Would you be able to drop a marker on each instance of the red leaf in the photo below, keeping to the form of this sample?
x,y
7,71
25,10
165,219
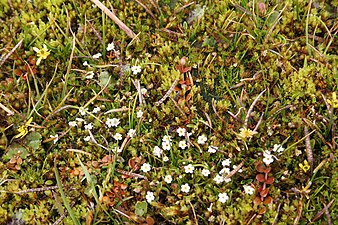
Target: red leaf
x,y
260,177
270,180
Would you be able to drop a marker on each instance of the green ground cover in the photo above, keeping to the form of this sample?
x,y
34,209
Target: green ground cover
x,y
168,112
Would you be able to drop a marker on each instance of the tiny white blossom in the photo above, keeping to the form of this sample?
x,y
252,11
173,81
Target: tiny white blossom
x,y
150,196
117,136
205,172
117,150
88,126
223,197
185,188
110,47
268,158
166,138
166,145
96,110
227,180
218,179
165,158
202,139
72,123
83,111
90,75
112,122
182,144
86,138
136,69
157,151
189,168
55,138
97,55
240,170
143,91
146,167
226,162
79,119
85,63
212,149
181,131
168,179
224,170
139,114
278,148
131,133
248,189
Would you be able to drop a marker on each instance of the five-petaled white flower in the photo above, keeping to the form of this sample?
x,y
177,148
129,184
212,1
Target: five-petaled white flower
x,y
165,158
96,109
90,75
212,149
136,69
166,145
131,133
168,179
146,167
72,123
112,122
223,197
110,47
225,170
157,151
181,131
166,138
248,189
117,136
143,91
97,55
83,111
226,162
189,168
185,188
278,148
202,139
205,172
88,126
139,114
150,196
87,138
268,158
218,179
182,144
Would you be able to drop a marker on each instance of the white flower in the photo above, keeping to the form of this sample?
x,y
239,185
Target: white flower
x,y
218,179
83,111
55,137
90,75
223,197
72,123
145,167
181,131
185,188
79,119
226,162
97,55
166,145
165,159
189,168
88,126
85,63
268,158
96,110
182,144
117,136
143,91
224,170
205,172
131,133
139,114
110,47
212,149
240,170
157,151
227,180
248,189
117,150
136,69
278,148
87,138
150,196
202,139
112,122
166,138
168,179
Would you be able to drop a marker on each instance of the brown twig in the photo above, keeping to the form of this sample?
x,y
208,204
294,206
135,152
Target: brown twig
x,y
167,94
309,152
2,60
251,108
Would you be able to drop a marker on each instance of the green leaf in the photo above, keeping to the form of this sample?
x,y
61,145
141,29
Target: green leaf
x,y
141,208
34,140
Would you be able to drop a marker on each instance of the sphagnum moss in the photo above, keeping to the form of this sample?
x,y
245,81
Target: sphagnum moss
x,y
176,160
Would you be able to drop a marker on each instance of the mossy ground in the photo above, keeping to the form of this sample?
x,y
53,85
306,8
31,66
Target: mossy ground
x,y
253,84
